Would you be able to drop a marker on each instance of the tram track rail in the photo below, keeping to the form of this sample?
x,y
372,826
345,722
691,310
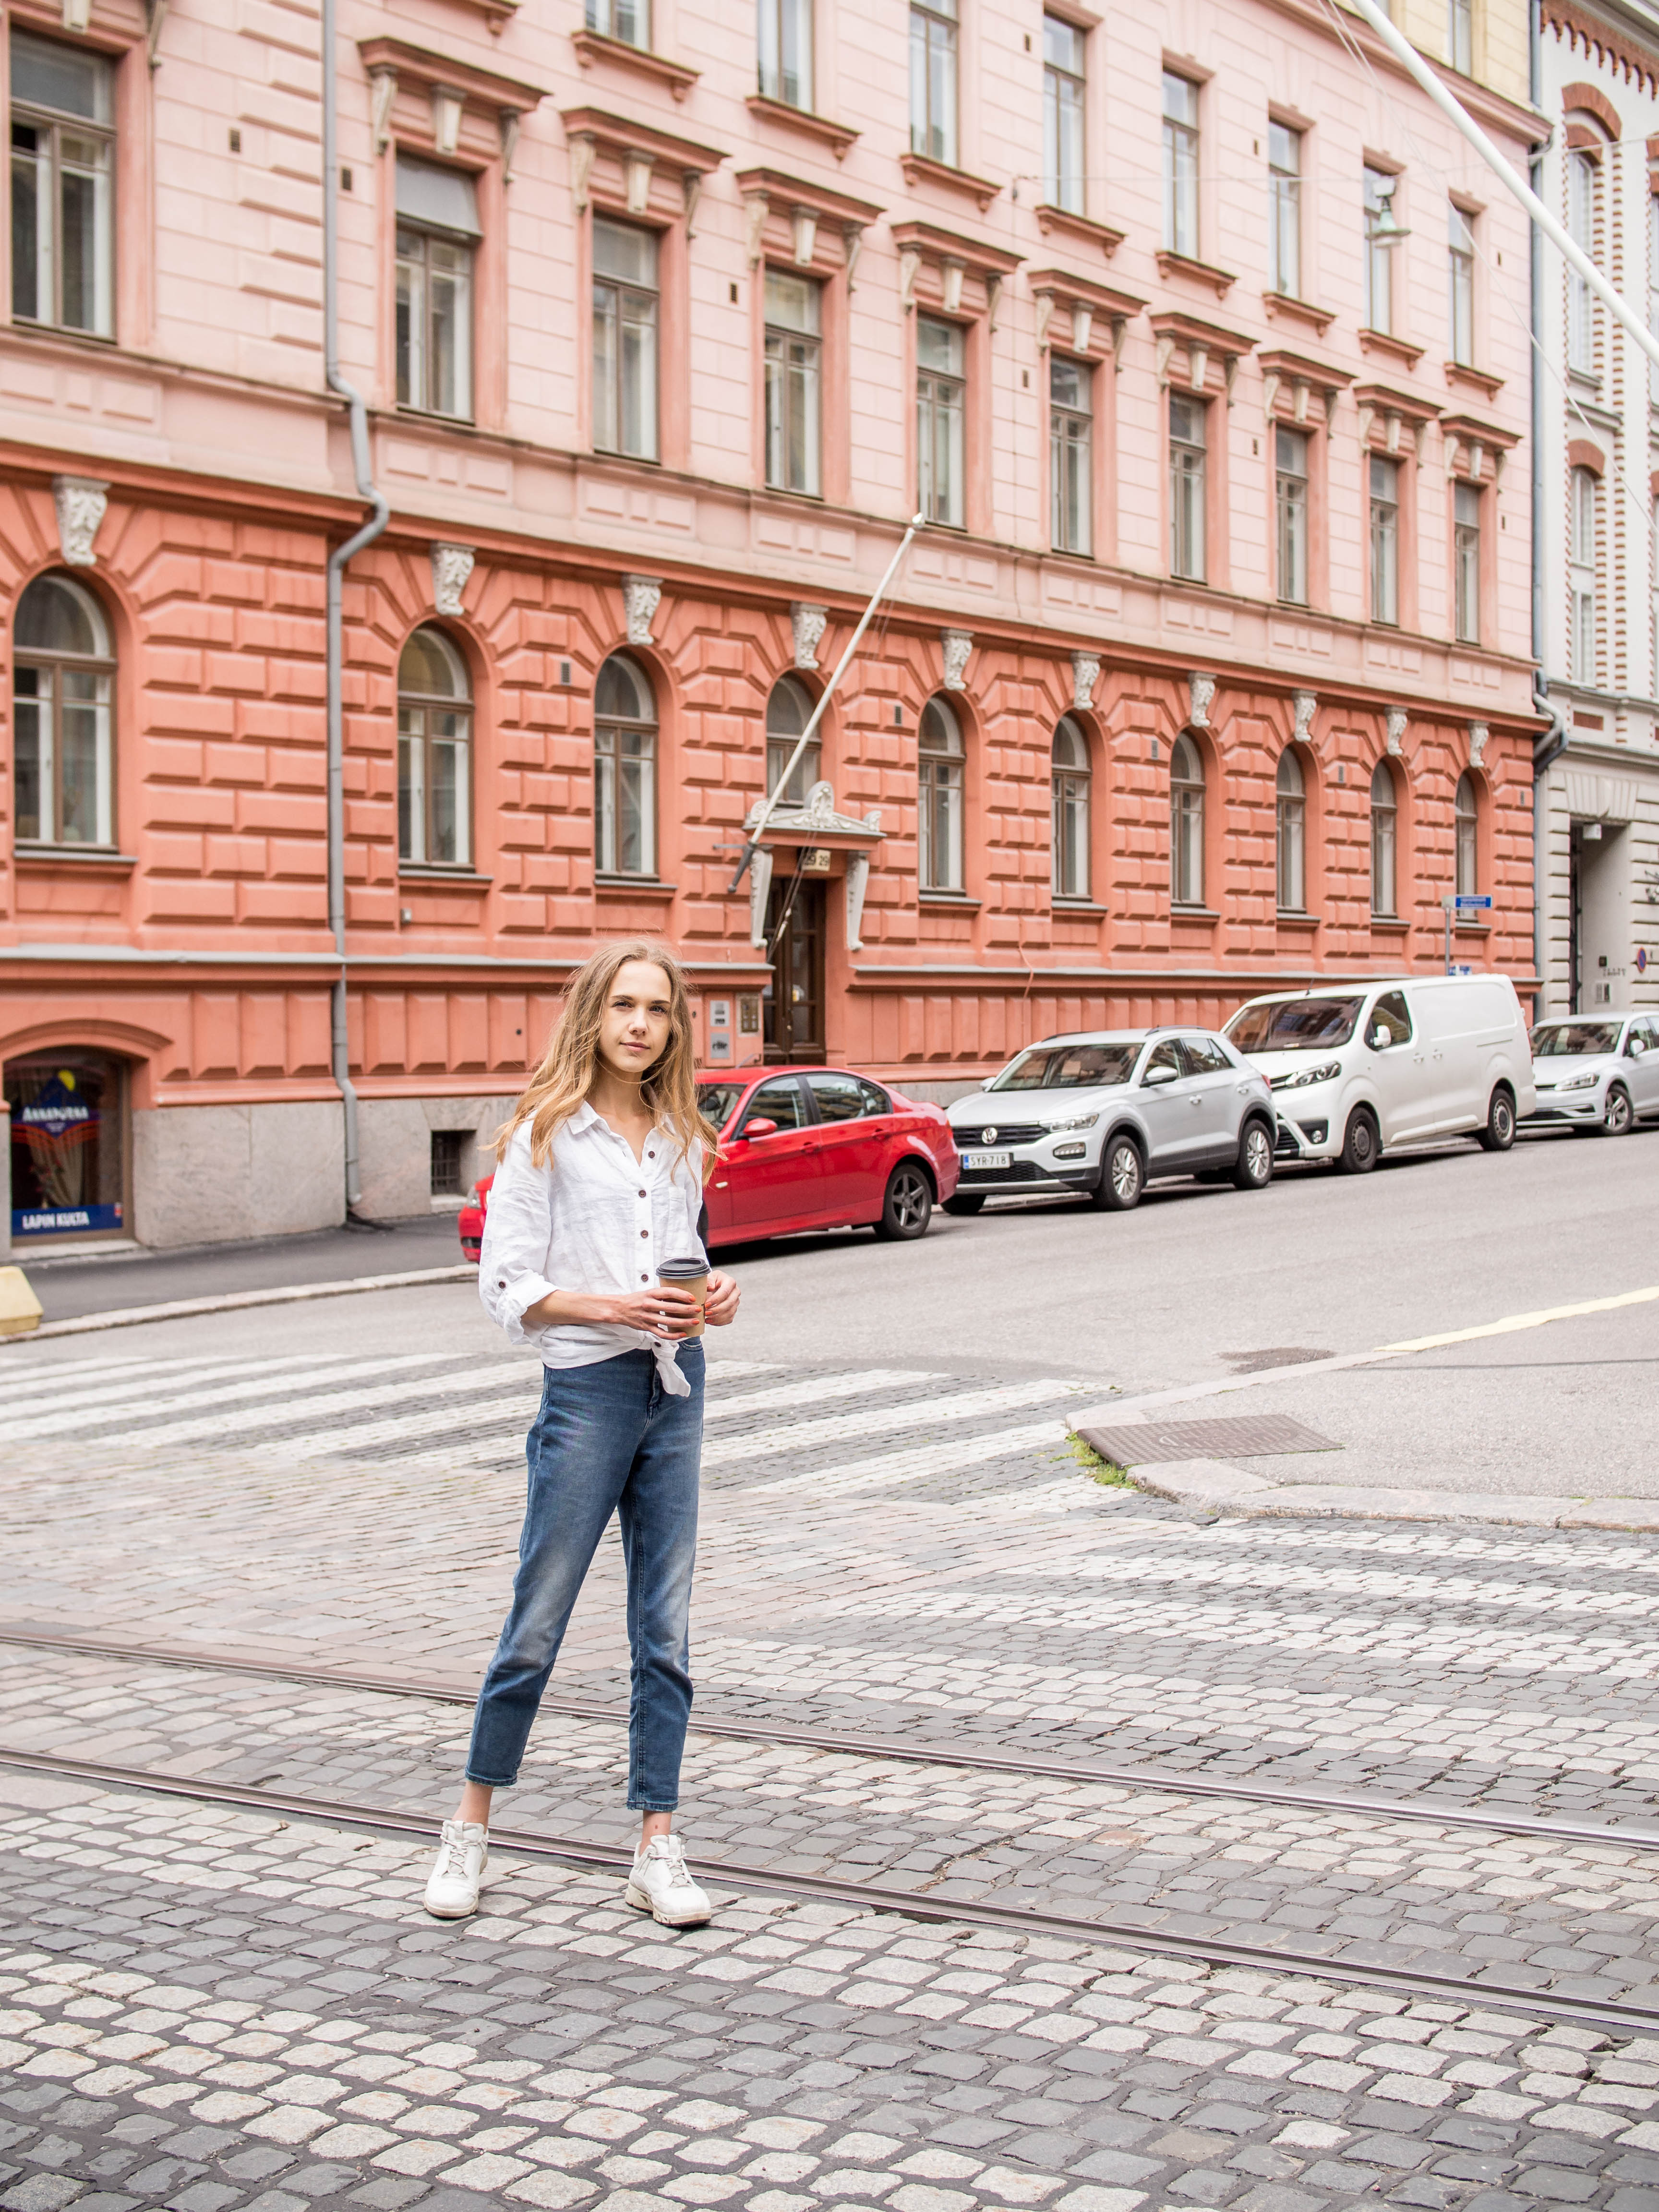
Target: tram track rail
x,y
592,1855
1433,1813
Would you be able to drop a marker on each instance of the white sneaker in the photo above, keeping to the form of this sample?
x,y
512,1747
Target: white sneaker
x,y
452,1889
661,1884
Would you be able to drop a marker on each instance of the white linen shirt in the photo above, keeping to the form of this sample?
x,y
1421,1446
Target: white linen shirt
x,y
594,1219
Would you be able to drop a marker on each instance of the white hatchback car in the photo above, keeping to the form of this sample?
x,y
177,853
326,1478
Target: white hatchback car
x,y
1597,1072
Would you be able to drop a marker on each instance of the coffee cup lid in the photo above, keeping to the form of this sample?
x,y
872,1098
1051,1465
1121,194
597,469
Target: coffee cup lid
x,y
681,1271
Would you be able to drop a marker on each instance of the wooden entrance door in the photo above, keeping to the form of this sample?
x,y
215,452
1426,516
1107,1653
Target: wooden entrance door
x,y
794,996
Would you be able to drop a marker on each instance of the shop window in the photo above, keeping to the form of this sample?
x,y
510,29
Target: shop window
x,y
625,323
788,711
1070,782
1466,824
68,1146
434,753
624,770
437,231
62,677
1385,840
1290,811
62,182
1185,822
941,757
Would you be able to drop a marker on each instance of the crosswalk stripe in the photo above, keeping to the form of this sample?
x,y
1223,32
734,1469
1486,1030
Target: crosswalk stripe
x,y
215,1427
19,1384
805,1393
125,1407
796,1436
914,1465
125,1393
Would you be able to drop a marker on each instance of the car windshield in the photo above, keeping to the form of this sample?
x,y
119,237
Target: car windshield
x,y
1574,1040
717,1100
1293,1025
1067,1067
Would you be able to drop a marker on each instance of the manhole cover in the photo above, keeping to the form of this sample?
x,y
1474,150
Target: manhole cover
x,y
1273,1355
1252,1436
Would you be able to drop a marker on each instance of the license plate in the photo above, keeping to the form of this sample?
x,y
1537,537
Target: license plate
x,y
987,1159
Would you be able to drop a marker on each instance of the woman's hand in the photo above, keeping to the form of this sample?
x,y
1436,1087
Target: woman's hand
x,y
721,1304
663,1310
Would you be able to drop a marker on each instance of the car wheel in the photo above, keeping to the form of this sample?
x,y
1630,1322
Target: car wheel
x,y
1255,1170
969,1203
1122,1177
1499,1133
908,1207
1359,1145
1616,1115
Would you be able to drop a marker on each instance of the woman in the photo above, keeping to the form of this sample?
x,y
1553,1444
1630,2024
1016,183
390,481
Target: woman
x,y
601,1183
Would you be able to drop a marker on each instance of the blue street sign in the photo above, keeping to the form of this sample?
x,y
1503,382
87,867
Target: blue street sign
x,y
1468,900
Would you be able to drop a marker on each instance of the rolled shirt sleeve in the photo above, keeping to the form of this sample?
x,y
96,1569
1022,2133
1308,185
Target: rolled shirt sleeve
x,y
517,1234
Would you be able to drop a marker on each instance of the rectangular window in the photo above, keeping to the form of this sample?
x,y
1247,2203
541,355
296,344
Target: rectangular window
x,y
624,800
1071,425
941,393
1062,114
1385,539
1187,486
437,225
1466,564
794,376
1584,516
1284,207
1580,227
933,79
1460,36
627,19
1382,237
1291,511
63,163
786,51
1180,165
1461,271
625,311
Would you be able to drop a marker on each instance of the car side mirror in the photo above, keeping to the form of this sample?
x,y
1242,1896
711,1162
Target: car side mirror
x,y
1636,1048
1156,1076
1380,1038
758,1127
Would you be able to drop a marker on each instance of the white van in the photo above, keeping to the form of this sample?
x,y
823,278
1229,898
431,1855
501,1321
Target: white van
x,y
1358,1068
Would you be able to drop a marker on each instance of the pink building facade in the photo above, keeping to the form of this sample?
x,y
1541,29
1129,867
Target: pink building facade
x,y
1196,337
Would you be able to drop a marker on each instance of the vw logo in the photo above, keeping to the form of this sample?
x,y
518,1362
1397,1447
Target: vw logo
x,y
991,1136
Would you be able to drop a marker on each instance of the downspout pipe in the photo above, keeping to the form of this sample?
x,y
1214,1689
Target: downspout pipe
x,y
335,642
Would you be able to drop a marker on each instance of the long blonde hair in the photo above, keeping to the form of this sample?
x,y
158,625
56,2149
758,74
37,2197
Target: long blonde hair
x,y
566,1075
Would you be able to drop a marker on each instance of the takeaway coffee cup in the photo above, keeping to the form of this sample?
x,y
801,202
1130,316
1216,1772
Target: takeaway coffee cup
x,y
687,1275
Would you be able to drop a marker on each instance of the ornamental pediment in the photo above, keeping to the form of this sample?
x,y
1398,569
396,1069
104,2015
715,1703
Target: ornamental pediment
x,y
816,817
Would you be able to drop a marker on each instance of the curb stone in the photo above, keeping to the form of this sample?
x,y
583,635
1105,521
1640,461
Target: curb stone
x,y
234,1300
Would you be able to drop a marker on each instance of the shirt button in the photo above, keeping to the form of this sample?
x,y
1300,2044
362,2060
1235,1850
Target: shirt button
x,y
645,1279
645,1233
641,1194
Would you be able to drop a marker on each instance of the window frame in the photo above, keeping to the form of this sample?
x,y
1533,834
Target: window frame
x,y
792,377
462,705
614,408
1188,487
608,788
1072,461
1385,515
1284,209
1065,120
779,17
1292,519
103,668
941,403
55,122
1460,36
1385,843
941,801
935,50
1071,785
1188,809
603,18
1582,186
1290,834
1183,141
1461,254
1584,574
1467,535
1466,837
780,743
428,235
1378,257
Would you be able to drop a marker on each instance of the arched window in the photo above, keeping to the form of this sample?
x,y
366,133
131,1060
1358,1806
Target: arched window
x,y
435,754
1291,809
1071,804
1385,826
1185,824
624,770
65,745
941,755
788,711
1466,824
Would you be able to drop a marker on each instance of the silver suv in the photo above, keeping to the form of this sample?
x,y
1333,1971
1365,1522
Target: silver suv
x,y
1108,1111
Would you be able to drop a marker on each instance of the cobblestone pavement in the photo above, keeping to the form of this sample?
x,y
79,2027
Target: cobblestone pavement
x,y
204,2008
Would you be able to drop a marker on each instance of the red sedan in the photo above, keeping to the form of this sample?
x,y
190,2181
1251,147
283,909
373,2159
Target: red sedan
x,y
808,1148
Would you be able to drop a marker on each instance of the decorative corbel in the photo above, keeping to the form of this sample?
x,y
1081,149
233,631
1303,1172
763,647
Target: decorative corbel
x,y
1200,690
582,149
449,107
1229,374
1419,432
1478,735
383,89
1391,432
852,242
510,119
451,566
808,624
993,302
1300,405
759,885
638,168
1085,674
1083,325
806,236
1119,331
80,502
1045,315
1396,737
690,192
1269,393
1367,416
858,878
78,15
952,272
957,645
1331,398
754,228
910,269
155,13
1304,703
1165,355
641,596
1198,366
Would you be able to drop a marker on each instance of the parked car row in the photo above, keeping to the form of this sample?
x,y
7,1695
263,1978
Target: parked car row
x,y
1340,1072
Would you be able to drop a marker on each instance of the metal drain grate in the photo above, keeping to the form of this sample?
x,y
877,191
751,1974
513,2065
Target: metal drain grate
x,y
1253,1436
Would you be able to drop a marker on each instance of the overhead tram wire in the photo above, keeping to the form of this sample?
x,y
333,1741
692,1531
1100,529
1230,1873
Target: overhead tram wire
x,y
1607,2014
907,1751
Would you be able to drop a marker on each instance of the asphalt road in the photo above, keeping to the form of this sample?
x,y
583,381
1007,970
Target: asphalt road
x,y
1201,1283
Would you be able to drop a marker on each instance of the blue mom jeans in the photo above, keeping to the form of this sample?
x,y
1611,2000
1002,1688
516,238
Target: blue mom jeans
x,y
608,1439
